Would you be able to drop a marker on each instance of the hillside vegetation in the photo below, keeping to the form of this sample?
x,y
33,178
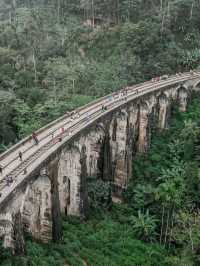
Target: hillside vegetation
x,y
56,55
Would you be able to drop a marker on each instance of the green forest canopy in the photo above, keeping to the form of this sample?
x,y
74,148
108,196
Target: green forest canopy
x,y
56,55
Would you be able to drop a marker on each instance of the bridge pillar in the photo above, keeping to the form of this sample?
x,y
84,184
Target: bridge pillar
x,y
133,132
182,99
19,246
72,175
6,230
83,183
119,149
55,201
36,209
163,111
95,141
143,128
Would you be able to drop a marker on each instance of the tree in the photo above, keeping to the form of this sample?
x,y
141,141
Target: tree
x,y
99,193
144,226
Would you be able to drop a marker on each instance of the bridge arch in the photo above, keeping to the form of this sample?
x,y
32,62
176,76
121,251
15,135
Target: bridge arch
x,y
197,85
183,94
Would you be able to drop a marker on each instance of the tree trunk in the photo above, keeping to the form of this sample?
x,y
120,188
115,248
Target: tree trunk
x,y
172,224
167,225
93,13
34,65
191,11
161,232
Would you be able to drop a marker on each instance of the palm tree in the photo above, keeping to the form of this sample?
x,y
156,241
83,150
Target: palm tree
x,y
170,193
144,226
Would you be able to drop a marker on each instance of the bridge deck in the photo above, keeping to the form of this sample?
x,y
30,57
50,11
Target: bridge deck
x,y
34,155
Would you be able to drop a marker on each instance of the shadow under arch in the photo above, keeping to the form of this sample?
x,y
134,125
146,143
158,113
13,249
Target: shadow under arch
x,y
162,97
183,92
197,85
183,87
143,105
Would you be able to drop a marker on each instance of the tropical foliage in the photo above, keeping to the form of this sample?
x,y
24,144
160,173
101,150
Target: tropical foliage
x,y
56,55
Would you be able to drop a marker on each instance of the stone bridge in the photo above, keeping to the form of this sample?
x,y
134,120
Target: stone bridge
x,y
51,178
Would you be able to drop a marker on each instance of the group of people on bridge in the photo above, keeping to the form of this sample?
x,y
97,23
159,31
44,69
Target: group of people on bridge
x,y
8,178
58,138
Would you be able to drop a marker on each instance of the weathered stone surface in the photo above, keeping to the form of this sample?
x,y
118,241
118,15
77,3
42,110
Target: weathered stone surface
x,y
105,158
83,184
77,162
19,243
93,142
6,230
69,174
37,216
118,143
163,111
182,99
55,201
143,126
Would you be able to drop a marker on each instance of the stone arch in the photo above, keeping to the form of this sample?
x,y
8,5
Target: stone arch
x,y
143,104
44,172
100,126
123,113
73,167
74,147
182,97
91,145
162,95
118,130
37,205
197,85
183,88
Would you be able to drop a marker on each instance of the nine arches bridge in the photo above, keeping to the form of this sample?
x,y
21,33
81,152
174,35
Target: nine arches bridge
x,y
99,141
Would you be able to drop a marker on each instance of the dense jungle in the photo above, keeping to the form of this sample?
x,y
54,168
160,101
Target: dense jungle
x,y
56,55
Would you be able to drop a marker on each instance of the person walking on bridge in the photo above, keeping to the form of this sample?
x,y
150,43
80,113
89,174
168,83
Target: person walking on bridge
x,y
62,131
1,169
25,171
34,136
9,180
20,156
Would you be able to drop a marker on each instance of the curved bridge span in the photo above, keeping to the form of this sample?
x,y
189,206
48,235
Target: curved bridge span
x,y
51,178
